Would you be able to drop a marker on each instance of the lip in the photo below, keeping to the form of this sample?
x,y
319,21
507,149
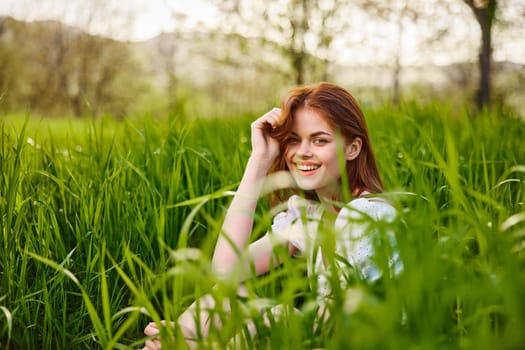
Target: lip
x,y
307,168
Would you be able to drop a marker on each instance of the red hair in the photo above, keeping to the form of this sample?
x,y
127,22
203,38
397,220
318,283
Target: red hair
x,y
342,111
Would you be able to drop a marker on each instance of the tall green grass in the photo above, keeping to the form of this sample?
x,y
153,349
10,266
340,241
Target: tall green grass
x,y
100,218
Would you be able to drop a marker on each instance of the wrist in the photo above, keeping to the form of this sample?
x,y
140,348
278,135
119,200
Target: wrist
x,y
260,161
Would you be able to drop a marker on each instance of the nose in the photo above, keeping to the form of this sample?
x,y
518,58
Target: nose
x,y
304,149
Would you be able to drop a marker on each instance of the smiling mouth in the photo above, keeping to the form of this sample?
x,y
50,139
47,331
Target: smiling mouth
x,y
310,167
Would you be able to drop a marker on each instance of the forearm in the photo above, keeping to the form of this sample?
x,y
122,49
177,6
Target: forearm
x,y
238,223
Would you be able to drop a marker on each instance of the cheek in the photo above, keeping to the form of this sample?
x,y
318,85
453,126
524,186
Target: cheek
x,y
330,158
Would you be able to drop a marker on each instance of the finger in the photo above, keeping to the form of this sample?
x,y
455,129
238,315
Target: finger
x,y
272,117
281,117
151,329
152,344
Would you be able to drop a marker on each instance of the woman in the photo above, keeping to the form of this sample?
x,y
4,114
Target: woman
x,y
319,130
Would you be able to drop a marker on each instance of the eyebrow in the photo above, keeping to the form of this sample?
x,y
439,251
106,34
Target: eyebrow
x,y
317,133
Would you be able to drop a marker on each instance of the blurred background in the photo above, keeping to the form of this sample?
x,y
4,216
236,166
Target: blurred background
x,y
84,58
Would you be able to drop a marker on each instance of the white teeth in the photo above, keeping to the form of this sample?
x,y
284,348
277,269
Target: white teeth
x,y
307,167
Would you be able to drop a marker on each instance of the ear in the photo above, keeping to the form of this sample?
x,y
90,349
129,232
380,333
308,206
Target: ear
x,y
353,149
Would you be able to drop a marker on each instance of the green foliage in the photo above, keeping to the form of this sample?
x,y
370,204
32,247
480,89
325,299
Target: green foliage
x,y
62,71
100,220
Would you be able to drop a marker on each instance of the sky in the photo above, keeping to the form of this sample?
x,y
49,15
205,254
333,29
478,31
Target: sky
x,y
136,20
143,19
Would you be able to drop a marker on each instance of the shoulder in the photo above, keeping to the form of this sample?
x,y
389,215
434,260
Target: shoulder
x,y
363,208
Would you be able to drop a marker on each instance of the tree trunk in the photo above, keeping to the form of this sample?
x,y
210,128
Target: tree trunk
x,y
484,11
396,82
297,49
298,64
396,72
485,58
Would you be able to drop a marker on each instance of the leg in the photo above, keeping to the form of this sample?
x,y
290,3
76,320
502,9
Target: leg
x,y
269,318
195,322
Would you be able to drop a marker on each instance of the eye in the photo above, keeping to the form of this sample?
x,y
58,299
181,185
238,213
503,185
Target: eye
x,y
292,140
319,141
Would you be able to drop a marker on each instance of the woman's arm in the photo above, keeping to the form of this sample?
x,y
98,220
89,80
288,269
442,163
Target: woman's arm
x,y
261,255
238,223
237,228
260,259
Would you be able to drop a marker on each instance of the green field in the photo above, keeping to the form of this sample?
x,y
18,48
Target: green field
x,y
97,216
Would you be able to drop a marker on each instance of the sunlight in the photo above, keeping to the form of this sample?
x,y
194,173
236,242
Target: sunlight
x,y
376,39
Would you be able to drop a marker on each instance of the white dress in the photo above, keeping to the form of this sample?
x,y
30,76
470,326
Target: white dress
x,y
354,230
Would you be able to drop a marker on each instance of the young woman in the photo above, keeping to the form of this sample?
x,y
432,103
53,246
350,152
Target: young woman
x,y
320,139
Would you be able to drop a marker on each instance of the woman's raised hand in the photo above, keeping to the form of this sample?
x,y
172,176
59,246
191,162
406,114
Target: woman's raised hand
x,y
263,145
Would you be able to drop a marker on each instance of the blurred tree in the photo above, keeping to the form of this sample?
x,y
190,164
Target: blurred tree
x,y
5,64
303,30
103,75
485,13
11,68
167,49
398,16
63,70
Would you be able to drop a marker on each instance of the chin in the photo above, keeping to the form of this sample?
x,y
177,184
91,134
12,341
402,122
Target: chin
x,y
306,185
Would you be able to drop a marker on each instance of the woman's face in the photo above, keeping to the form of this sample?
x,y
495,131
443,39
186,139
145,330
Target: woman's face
x,y
311,154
